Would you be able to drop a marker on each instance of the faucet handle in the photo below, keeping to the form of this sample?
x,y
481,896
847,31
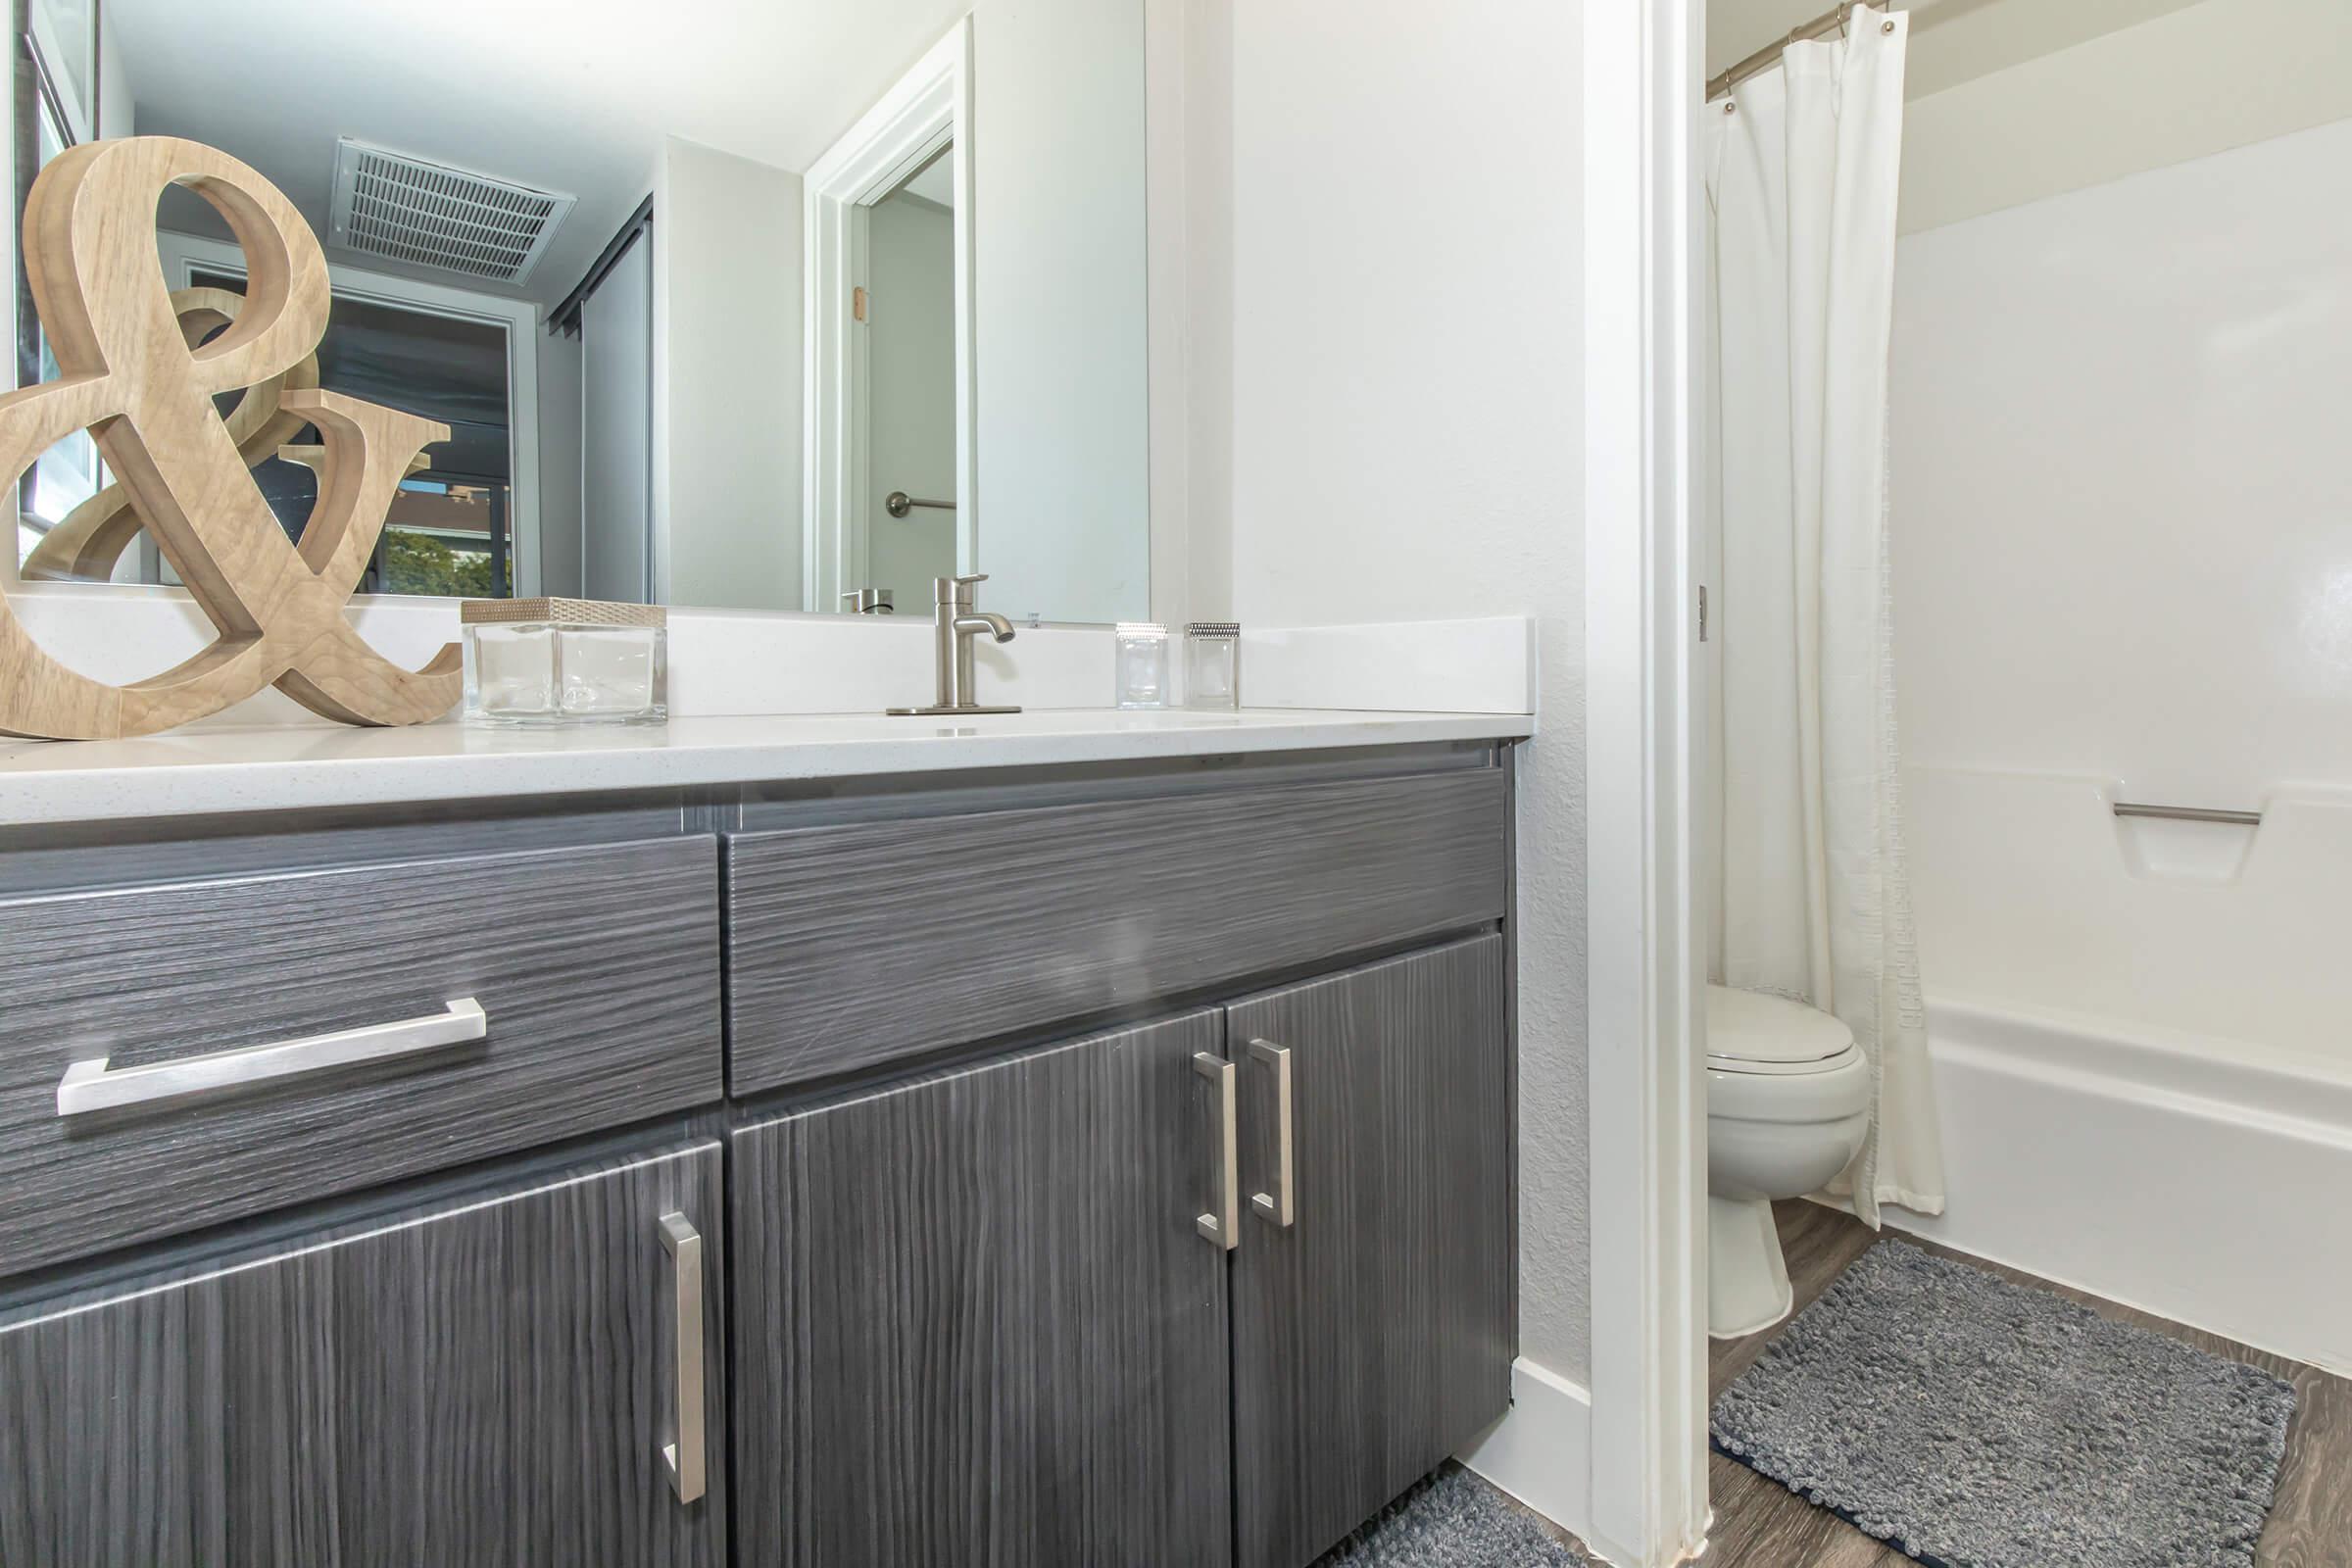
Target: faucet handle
x,y
955,590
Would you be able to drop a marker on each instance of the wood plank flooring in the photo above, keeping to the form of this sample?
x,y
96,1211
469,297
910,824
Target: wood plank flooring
x,y
1762,1524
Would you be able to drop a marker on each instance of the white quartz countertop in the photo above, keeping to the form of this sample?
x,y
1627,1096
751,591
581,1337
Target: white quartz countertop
x,y
203,771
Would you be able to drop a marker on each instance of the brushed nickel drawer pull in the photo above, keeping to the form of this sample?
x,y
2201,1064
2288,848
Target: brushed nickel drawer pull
x,y
684,1456
1280,1205
1223,1227
88,1085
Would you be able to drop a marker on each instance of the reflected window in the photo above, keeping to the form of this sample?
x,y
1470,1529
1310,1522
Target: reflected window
x,y
450,529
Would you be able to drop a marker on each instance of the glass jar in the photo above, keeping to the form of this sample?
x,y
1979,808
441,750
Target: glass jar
x,y
1212,664
1143,665
564,661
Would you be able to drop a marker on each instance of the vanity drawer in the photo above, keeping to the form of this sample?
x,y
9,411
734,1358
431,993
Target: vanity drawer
x,y
595,972
855,945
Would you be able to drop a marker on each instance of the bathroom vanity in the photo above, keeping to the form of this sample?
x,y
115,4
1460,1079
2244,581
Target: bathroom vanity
x,y
870,1145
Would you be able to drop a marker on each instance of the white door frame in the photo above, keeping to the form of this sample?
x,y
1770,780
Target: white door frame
x,y
1643,86
929,108
183,255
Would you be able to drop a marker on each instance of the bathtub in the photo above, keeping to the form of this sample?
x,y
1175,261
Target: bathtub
x,y
2142,1038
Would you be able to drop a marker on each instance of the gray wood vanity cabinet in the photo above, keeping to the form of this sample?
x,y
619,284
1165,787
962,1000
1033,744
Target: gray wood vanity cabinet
x,y
852,945
979,1320
596,967
975,1322
937,1271
478,1382
1371,1335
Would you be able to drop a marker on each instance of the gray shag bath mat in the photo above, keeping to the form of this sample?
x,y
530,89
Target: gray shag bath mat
x,y
1452,1520
1973,1423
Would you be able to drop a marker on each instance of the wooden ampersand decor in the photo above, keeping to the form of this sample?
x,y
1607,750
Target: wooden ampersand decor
x,y
91,539
133,379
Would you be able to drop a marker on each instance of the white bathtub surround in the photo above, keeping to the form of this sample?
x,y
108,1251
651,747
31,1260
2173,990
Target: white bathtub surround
x,y
2034,895
725,663
2123,527
285,766
1802,182
2138,1027
2138,1035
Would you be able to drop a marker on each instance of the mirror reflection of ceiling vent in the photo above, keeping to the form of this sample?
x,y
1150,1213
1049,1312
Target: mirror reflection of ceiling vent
x,y
406,209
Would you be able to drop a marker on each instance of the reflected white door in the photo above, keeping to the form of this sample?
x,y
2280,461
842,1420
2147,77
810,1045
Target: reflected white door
x,y
616,411
911,396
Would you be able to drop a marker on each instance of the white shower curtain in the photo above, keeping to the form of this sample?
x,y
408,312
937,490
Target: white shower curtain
x,y
1815,900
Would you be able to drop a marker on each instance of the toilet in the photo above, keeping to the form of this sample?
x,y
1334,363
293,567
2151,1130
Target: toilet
x,y
1787,1106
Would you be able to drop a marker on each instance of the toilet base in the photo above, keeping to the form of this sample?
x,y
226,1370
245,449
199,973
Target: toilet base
x,y
1747,1279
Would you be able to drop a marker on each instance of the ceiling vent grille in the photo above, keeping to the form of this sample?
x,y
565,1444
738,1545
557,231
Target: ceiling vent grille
x,y
429,215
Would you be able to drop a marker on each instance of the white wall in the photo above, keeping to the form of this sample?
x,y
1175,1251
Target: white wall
x,y
1058,299
1386,423
911,363
1973,37
727,331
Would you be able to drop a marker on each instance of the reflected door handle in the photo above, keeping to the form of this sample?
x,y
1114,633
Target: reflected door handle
x,y
899,503
1280,1204
1223,1226
91,1085
685,1456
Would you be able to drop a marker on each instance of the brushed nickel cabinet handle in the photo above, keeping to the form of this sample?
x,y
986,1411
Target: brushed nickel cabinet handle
x,y
1280,1204
684,1455
89,1085
1223,1228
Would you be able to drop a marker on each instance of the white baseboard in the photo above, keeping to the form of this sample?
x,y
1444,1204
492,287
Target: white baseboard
x,y
1540,1451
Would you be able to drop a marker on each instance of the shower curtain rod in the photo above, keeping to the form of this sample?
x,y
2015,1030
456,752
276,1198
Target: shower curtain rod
x,y
1832,20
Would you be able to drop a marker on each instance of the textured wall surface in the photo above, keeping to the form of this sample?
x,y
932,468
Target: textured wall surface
x,y
1386,424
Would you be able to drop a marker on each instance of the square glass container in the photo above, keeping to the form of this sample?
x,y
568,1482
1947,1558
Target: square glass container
x,y
1143,665
564,661
1212,664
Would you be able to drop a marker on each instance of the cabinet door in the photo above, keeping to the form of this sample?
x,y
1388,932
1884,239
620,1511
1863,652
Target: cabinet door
x,y
977,1322
486,1382
1372,1335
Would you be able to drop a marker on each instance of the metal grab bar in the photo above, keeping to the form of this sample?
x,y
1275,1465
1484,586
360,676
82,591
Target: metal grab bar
x,y
2188,813
899,503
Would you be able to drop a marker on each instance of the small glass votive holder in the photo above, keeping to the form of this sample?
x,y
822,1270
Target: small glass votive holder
x,y
1212,664
1143,665
549,662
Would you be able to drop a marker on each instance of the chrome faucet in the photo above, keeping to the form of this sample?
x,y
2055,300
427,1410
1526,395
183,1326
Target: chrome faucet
x,y
955,623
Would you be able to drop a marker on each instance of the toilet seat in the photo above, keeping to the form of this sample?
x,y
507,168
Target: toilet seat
x,y
1752,1032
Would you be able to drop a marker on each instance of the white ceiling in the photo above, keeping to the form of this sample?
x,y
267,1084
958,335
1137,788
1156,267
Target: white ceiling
x,y
1952,40
569,95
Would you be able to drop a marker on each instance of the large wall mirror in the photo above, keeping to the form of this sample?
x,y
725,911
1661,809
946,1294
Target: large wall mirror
x,y
736,305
